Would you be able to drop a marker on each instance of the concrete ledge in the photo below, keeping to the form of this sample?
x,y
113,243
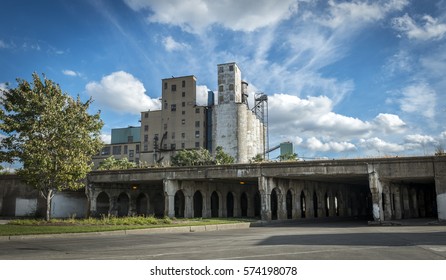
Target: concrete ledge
x,y
184,229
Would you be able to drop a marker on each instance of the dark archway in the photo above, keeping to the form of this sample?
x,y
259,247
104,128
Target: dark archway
x,y
179,203
327,205
214,204
303,205
102,204
123,205
230,205
244,204
257,204
198,205
158,205
142,204
315,205
274,205
289,204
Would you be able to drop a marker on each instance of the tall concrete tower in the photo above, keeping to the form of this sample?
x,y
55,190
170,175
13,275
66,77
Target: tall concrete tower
x,y
235,128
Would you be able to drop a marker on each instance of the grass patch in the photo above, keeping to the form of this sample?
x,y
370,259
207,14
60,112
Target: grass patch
x,y
105,223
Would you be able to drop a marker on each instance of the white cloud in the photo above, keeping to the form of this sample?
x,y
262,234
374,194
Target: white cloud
x,y
171,45
316,145
123,93
419,98
3,87
197,15
390,123
380,146
3,45
431,29
202,95
106,138
70,73
357,12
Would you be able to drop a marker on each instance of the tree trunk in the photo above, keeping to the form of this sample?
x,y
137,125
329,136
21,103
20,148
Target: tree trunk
x,y
49,197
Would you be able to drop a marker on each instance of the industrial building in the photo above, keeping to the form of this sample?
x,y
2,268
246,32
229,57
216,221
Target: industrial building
x,y
183,123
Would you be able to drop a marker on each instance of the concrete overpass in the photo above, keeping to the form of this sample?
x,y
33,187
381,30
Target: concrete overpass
x,y
379,189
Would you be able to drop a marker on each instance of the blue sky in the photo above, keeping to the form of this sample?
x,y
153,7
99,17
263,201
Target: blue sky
x,y
345,79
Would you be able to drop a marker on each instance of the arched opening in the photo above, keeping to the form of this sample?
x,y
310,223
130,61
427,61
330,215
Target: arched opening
x,y
198,205
158,205
179,203
336,202
303,205
102,204
327,205
244,204
257,204
274,205
315,205
142,204
123,205
214,204
289,205
230,205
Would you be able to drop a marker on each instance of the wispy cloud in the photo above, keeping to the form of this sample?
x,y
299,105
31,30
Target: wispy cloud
x,y
171,45
70,73
123,93
431,28
419,98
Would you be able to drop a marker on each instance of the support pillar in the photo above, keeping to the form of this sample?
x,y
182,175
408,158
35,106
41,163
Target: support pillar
x,y
189,205
440,187
386,203
376,190
170,187
265,197
397,201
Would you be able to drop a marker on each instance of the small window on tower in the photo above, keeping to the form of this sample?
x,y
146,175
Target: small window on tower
x,y
231,68
174,87
231,87
220,69
173,107
165,85
183,83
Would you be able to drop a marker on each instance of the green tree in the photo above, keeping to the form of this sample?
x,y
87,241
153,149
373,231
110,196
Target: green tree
x,y
258,158
192,158
51,134
288,157
111,163
223,158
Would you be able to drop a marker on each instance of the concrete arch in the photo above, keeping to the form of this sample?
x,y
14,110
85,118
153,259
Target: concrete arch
x,y
289,204
142,204
230,205
215,204
157,201
123,204
276,195
179,204
244,203
102,204
198,204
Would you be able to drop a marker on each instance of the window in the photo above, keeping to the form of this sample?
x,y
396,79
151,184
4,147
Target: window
x,y
165,105
173,107
146,147
183,83
183,121
183,113
146,128
165,85
146,115
173,135
231,67
172,146
197,144
183,104
231,87
197,124
131,153
220,88
197,134
183,135
173,87
125,149
146,138
197,110
137,149
116,150
165,126
183,94
183,145
129,139
220,69
105,151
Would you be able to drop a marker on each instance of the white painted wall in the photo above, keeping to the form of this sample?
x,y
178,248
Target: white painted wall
x,y
25,206
65,205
